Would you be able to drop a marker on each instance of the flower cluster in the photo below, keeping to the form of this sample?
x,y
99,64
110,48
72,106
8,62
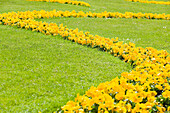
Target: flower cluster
x,y
151,2
145,89
105,14
73,2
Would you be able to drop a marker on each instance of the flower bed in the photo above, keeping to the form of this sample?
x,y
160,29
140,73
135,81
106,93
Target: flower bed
x,y
7,17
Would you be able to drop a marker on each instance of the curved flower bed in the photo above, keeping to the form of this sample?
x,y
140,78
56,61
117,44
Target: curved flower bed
x,y
150,2
145,89
73,2
50,14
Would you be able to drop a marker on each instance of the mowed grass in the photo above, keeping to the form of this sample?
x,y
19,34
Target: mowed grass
x,y
42,73
96,6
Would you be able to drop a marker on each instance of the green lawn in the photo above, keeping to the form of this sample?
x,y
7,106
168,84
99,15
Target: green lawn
x,y
42,73
96,6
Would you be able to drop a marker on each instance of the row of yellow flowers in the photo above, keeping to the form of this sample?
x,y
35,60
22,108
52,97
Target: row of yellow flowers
x,y
73,2
151,2
105,14
145,89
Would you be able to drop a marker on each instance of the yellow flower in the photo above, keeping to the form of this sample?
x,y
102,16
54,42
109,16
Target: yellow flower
x,y
159,87
166,94
106,111
119,96
168,108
